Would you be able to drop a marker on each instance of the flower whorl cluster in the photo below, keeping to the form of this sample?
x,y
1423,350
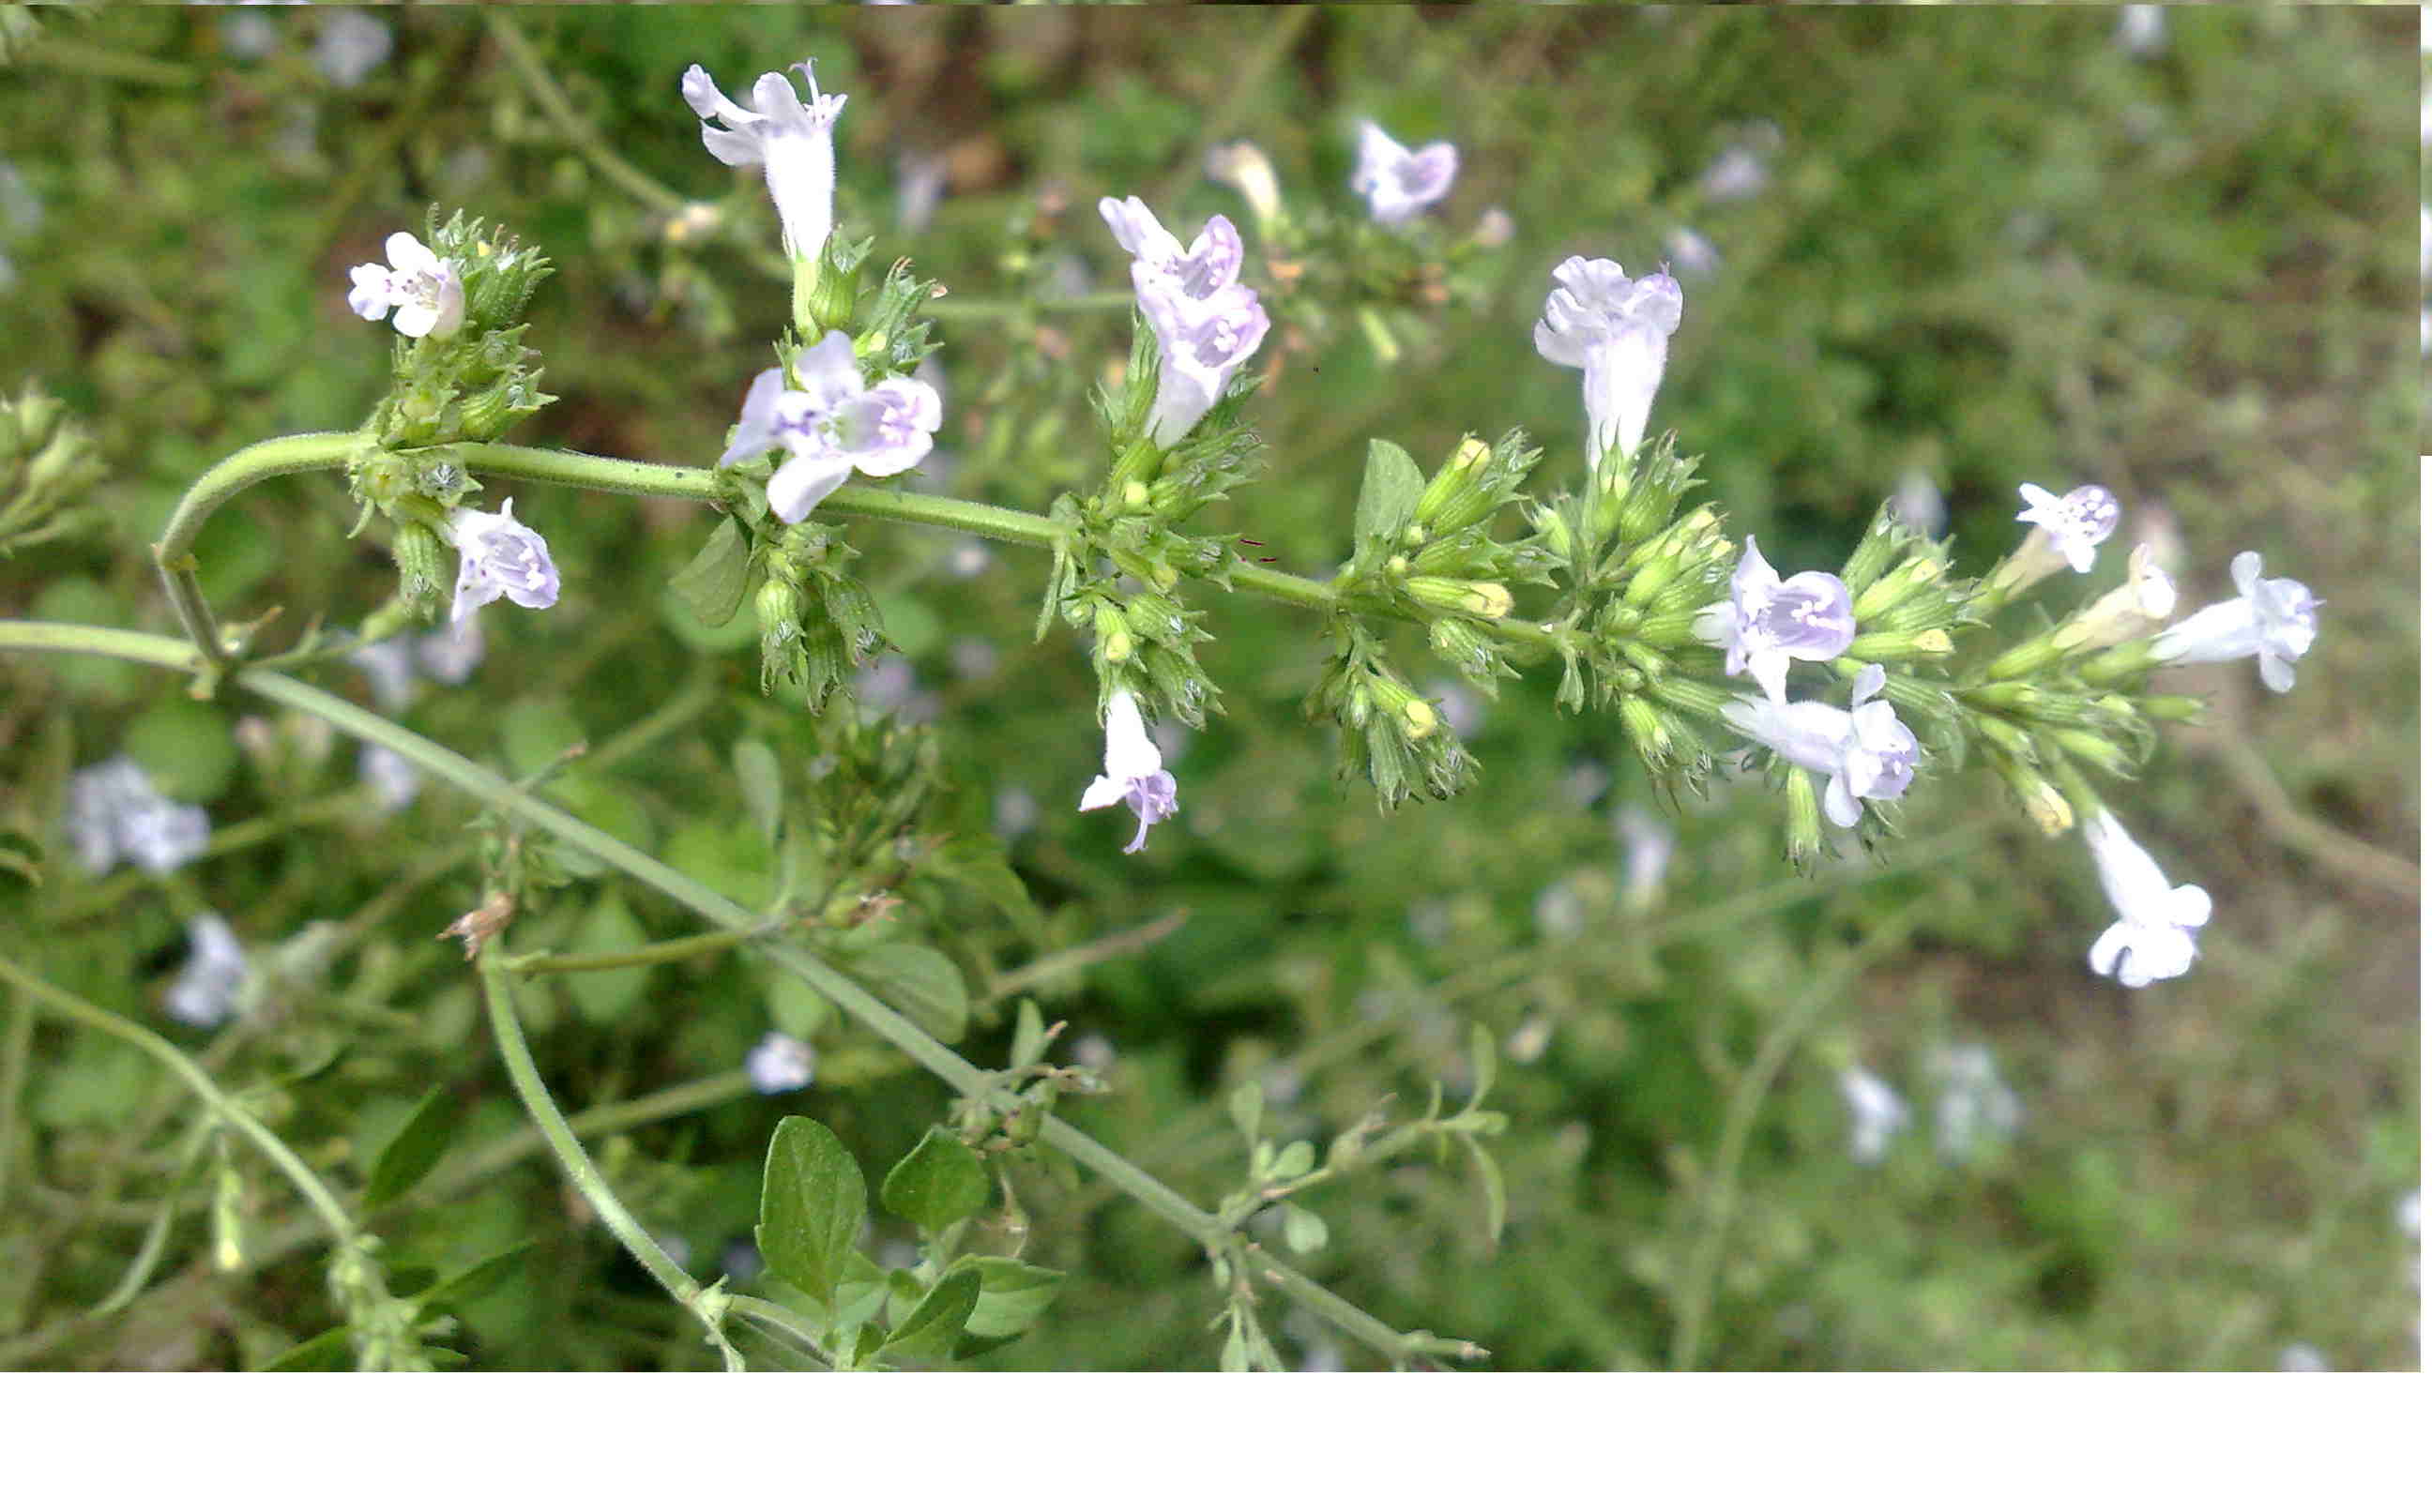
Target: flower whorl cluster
x,y
1207,322
833,424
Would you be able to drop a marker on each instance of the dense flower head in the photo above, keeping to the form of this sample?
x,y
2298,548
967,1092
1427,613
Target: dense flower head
x,y
2075,523
1399,182
2155,936
1135,771
115,813
1616,330
1768,619
791,143
780,1063
426,290
499,557
204,993
1865,750
2270,619
833,424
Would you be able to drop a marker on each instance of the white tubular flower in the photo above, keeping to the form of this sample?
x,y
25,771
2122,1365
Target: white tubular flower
x,y
833,424
1769,619
204,993
1397,182
792,143
2137,608
1201,344
1135,772
1865,750
2155,936
425,290
2073,525
1213,262
451,653
2270,619
499,557
1876,1113
780,1063
1616,330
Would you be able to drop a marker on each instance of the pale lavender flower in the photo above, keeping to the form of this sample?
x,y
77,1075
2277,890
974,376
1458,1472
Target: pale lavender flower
x,y
1768,619
1201,344
1616,330
351,45
396,779
1876,1114
833,424
1399,182
1135,771
780,1063
2073,524
2155,938
388,666
115,813
426,290
1013,812
450,653
2270,619
1865,750
1975,1104
204,993
499,557
1212,263
792,143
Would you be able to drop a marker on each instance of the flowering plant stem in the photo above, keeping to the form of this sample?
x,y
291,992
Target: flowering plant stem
x,y
77,1011
847,995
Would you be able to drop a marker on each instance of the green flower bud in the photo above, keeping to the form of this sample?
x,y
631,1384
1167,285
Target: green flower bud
x,y
424,574
1487,600
1804,829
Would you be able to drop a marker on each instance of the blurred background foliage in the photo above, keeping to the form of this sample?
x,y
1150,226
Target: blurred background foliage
x,y
1983,246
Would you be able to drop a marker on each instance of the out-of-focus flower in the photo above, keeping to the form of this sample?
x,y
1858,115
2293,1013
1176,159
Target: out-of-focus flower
x,y
1399,182
1692,254
920,184
1646,843
780,1063
2137,608
833,424
1917,504
396,779
115,813
1212,263
2073,524
499,557
1876,1114
2143,29
1617,330
2300,1357
351,45
2272,619
1738,171
388,666
450,653
2155,938
426,290
1768,619
1135,772
1975,1104
792,143
1241,166
204,993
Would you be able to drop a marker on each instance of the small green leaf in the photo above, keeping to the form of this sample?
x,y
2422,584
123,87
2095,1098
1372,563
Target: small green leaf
x,y
763,785
1303,1230
1298,1159
921,983
712,583
1029,1035
1012,1294
796,1006
938,1185
331,1351
1490,1178
931,1331
609,928
537,734
478,1279
1389,492
1482,1060
413,1150
812,1200
186,746
1247,1103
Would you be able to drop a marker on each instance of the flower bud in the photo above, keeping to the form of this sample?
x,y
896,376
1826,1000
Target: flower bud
x,y
1487,600
1419,718
1454,484
423,575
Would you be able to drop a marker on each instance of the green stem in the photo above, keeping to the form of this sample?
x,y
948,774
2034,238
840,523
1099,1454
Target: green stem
x,y
12,1084
76,1010
682,949
174,553
958,307
710,904
498,989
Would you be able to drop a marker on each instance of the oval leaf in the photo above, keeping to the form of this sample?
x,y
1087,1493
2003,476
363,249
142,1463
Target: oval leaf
x,y
931,1331
812,1200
